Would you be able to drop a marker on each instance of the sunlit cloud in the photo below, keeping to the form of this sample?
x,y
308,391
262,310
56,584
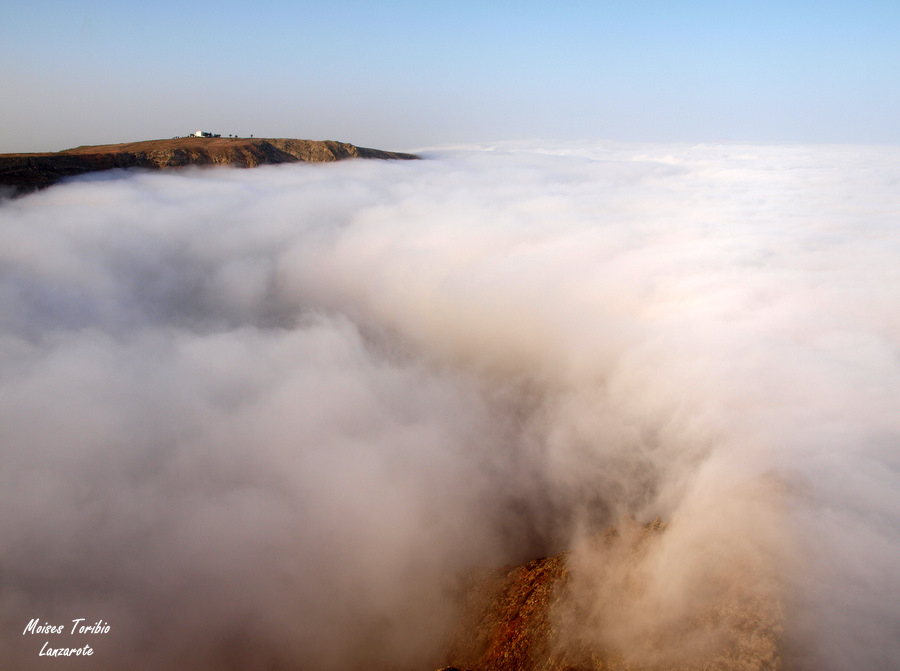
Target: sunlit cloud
x,y
271,416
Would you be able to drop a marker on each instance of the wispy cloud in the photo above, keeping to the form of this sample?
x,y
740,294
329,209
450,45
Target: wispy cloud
x,y
269,416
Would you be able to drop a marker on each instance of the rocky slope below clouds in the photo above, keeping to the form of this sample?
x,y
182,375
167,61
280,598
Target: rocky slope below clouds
x,y
23,173
581,611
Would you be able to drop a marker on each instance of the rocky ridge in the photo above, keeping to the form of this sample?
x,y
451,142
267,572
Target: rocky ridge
x,y
547,616
24,173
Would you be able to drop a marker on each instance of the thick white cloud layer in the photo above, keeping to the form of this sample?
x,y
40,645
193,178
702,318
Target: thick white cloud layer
x,y
271,416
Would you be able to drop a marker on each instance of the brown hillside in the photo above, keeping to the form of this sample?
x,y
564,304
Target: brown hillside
x,y
23,173
565,613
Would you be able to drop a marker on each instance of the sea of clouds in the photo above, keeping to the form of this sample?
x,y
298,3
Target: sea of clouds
x,y
269,418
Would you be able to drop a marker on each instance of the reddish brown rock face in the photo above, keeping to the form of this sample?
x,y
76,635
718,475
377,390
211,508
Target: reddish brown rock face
x,y
23,173
564,614
509,624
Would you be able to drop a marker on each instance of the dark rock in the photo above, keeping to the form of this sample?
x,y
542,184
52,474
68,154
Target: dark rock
x,y
24,173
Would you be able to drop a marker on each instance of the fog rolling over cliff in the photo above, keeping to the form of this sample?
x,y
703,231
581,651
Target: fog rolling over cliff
x,y
274,418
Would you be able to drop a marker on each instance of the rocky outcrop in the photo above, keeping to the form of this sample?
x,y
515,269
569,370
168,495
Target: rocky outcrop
x,y
509,625
23,173
565,613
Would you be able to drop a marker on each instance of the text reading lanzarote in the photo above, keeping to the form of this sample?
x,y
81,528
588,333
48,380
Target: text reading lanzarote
x,y
35,627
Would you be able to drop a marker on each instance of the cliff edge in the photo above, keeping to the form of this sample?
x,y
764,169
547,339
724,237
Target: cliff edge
x,y
24,173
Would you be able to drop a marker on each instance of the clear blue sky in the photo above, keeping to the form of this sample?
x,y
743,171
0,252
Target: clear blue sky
x,y
406,74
